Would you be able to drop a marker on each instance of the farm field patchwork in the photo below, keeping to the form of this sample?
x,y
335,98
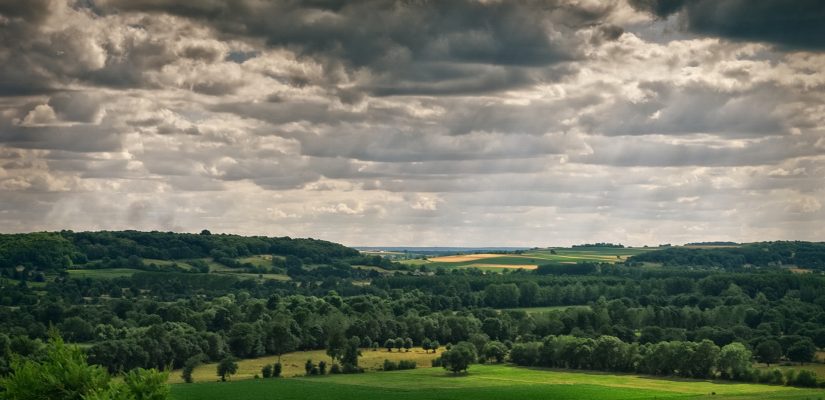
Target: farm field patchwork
x,y
530,259
485,382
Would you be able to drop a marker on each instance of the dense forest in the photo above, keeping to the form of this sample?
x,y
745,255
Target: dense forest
x,y
614,317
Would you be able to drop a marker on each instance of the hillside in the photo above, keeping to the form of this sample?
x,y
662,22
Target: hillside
x,y
807,255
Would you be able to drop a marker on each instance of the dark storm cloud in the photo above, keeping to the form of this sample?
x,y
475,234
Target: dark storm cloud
x,y
411,47
30,10
793,25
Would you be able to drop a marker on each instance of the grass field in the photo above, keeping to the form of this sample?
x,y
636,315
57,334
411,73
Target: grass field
x,y
102,273
293,363
485,382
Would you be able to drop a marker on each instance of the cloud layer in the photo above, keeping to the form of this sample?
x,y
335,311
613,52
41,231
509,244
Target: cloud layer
x,y
415,122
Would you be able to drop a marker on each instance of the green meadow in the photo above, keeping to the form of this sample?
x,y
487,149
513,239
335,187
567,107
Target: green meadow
x,y
485,382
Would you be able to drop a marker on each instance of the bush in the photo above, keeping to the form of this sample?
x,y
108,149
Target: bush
x,y
266,371
437,362
351,369
389,365
403,364
805,378
276,370
406,364
322,368
336,369
147,384
773,376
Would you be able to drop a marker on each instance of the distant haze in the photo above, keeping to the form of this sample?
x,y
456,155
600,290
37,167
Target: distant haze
x,y
405,123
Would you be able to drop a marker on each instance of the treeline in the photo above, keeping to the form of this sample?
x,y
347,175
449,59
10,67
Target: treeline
x,y
701,360
767,254
60,250
600,244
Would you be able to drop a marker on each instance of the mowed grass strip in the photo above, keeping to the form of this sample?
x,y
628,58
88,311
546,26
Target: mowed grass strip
x,y
293,363
109,273
482,383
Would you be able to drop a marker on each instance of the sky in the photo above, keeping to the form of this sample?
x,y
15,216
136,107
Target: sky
x,y
428,123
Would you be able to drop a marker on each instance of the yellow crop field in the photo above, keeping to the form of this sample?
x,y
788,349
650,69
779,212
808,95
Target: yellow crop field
x,y
293,363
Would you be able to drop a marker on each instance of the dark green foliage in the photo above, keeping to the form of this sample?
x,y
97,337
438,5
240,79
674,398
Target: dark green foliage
x,y
459,357
189,367
666,321
767,254
227,367
769,352
502,295
42,250
581,268
59,250
805,378
400,365
349,358
494,351
802,351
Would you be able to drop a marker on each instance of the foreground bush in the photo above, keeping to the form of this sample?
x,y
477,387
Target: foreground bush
x,y
64,374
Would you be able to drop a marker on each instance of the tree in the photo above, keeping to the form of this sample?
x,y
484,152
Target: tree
x,y
526,354
189,366
389,344
245,340
528,293
309,366
704,359
227,367
495,350
735,361
266,371
279,336
802,351
425,344
399,343
351,354
459,357
408,344
434,345
769,352
335,328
